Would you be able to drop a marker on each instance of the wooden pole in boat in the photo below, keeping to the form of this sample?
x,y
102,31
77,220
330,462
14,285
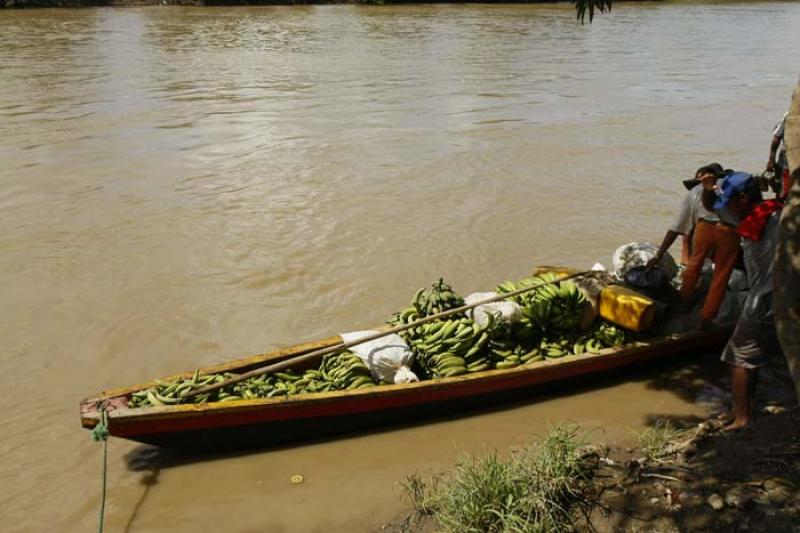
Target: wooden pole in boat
x,y
277,367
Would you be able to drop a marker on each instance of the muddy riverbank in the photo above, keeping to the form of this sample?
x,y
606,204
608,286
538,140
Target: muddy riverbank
x,y
676,478
707,480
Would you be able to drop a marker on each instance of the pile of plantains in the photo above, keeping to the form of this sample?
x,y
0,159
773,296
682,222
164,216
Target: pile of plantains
x,y
548,328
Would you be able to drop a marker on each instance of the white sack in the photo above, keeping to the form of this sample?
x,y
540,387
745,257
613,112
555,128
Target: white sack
x,y
388,358
508,310
638,254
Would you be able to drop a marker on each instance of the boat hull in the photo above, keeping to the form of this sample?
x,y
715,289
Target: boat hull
x,y
263,422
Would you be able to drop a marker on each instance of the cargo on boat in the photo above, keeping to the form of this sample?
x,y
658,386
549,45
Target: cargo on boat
x,y
450,354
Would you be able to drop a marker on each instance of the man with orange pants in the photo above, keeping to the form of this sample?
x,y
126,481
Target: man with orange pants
x,y
712,238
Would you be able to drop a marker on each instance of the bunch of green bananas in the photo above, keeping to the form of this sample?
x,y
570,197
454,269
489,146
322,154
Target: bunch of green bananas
x,y
173,392
345,371
437,298
610,335
586,344
567,304
406,316
448,348
551,307
506,353
535,312
524,298
604,335
553,348
338,371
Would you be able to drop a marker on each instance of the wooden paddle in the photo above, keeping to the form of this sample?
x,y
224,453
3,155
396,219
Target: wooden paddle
x,y
276,367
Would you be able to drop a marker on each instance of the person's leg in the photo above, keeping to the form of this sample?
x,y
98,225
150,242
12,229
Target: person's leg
x,y
686,249
745,352
726,251
702,247
742,380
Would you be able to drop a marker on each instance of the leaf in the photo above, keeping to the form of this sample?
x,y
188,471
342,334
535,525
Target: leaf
x,y
582,6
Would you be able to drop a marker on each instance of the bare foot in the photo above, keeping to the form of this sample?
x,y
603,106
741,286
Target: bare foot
x,y
736,424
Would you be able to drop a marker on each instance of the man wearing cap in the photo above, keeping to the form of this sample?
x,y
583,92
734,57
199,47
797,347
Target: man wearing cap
x,y
779,165
711,238
754,342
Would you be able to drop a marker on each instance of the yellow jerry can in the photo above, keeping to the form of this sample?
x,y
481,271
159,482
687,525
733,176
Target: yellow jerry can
x,y
627,308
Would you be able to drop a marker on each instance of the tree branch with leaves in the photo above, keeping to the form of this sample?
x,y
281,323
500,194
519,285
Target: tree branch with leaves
x,y
584,6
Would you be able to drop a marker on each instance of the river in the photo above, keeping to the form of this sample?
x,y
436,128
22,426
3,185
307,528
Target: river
x,y
181,186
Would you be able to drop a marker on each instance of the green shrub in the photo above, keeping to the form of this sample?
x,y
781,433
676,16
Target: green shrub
x,y
534,490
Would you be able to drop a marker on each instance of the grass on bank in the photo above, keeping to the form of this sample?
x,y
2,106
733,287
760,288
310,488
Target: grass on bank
x,y
654,441
538,489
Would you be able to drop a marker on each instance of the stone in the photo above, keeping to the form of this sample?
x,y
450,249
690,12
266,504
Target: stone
x,y
592,449
777,482
689,499
703,429
708,455
737,498
690,449
777,492
716,502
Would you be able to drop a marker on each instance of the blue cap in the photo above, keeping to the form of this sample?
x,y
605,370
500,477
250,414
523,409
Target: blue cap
x,y
736,183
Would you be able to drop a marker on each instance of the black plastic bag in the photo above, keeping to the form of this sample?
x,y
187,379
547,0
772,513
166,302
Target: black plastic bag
x,y
653,280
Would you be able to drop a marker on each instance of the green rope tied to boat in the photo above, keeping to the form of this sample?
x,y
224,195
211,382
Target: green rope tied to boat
x,y
100,433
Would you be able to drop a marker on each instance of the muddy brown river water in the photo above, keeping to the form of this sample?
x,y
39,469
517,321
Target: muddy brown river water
x,y
180,186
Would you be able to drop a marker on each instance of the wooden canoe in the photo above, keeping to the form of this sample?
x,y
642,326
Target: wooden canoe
x,y
265,421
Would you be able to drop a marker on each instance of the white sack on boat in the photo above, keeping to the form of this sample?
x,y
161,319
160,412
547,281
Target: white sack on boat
x,y
636,254
388,358
508,310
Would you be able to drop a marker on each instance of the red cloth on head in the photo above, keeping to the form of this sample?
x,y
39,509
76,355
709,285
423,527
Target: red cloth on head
x,y
752,226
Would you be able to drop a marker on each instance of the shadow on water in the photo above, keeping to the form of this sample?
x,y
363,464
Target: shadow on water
x,y
688,383
683,377
147,480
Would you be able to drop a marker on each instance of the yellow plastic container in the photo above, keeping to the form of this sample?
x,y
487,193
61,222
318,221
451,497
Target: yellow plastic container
x,y
627,308
557,270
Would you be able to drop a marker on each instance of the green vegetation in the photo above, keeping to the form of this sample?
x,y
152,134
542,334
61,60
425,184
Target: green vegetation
x,y
654,441
538,489
582,6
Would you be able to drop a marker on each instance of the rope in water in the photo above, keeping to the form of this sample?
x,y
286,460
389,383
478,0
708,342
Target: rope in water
x,y
100,433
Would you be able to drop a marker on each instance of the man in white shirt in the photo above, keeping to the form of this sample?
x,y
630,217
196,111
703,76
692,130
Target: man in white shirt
x,y
712,238
777,162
